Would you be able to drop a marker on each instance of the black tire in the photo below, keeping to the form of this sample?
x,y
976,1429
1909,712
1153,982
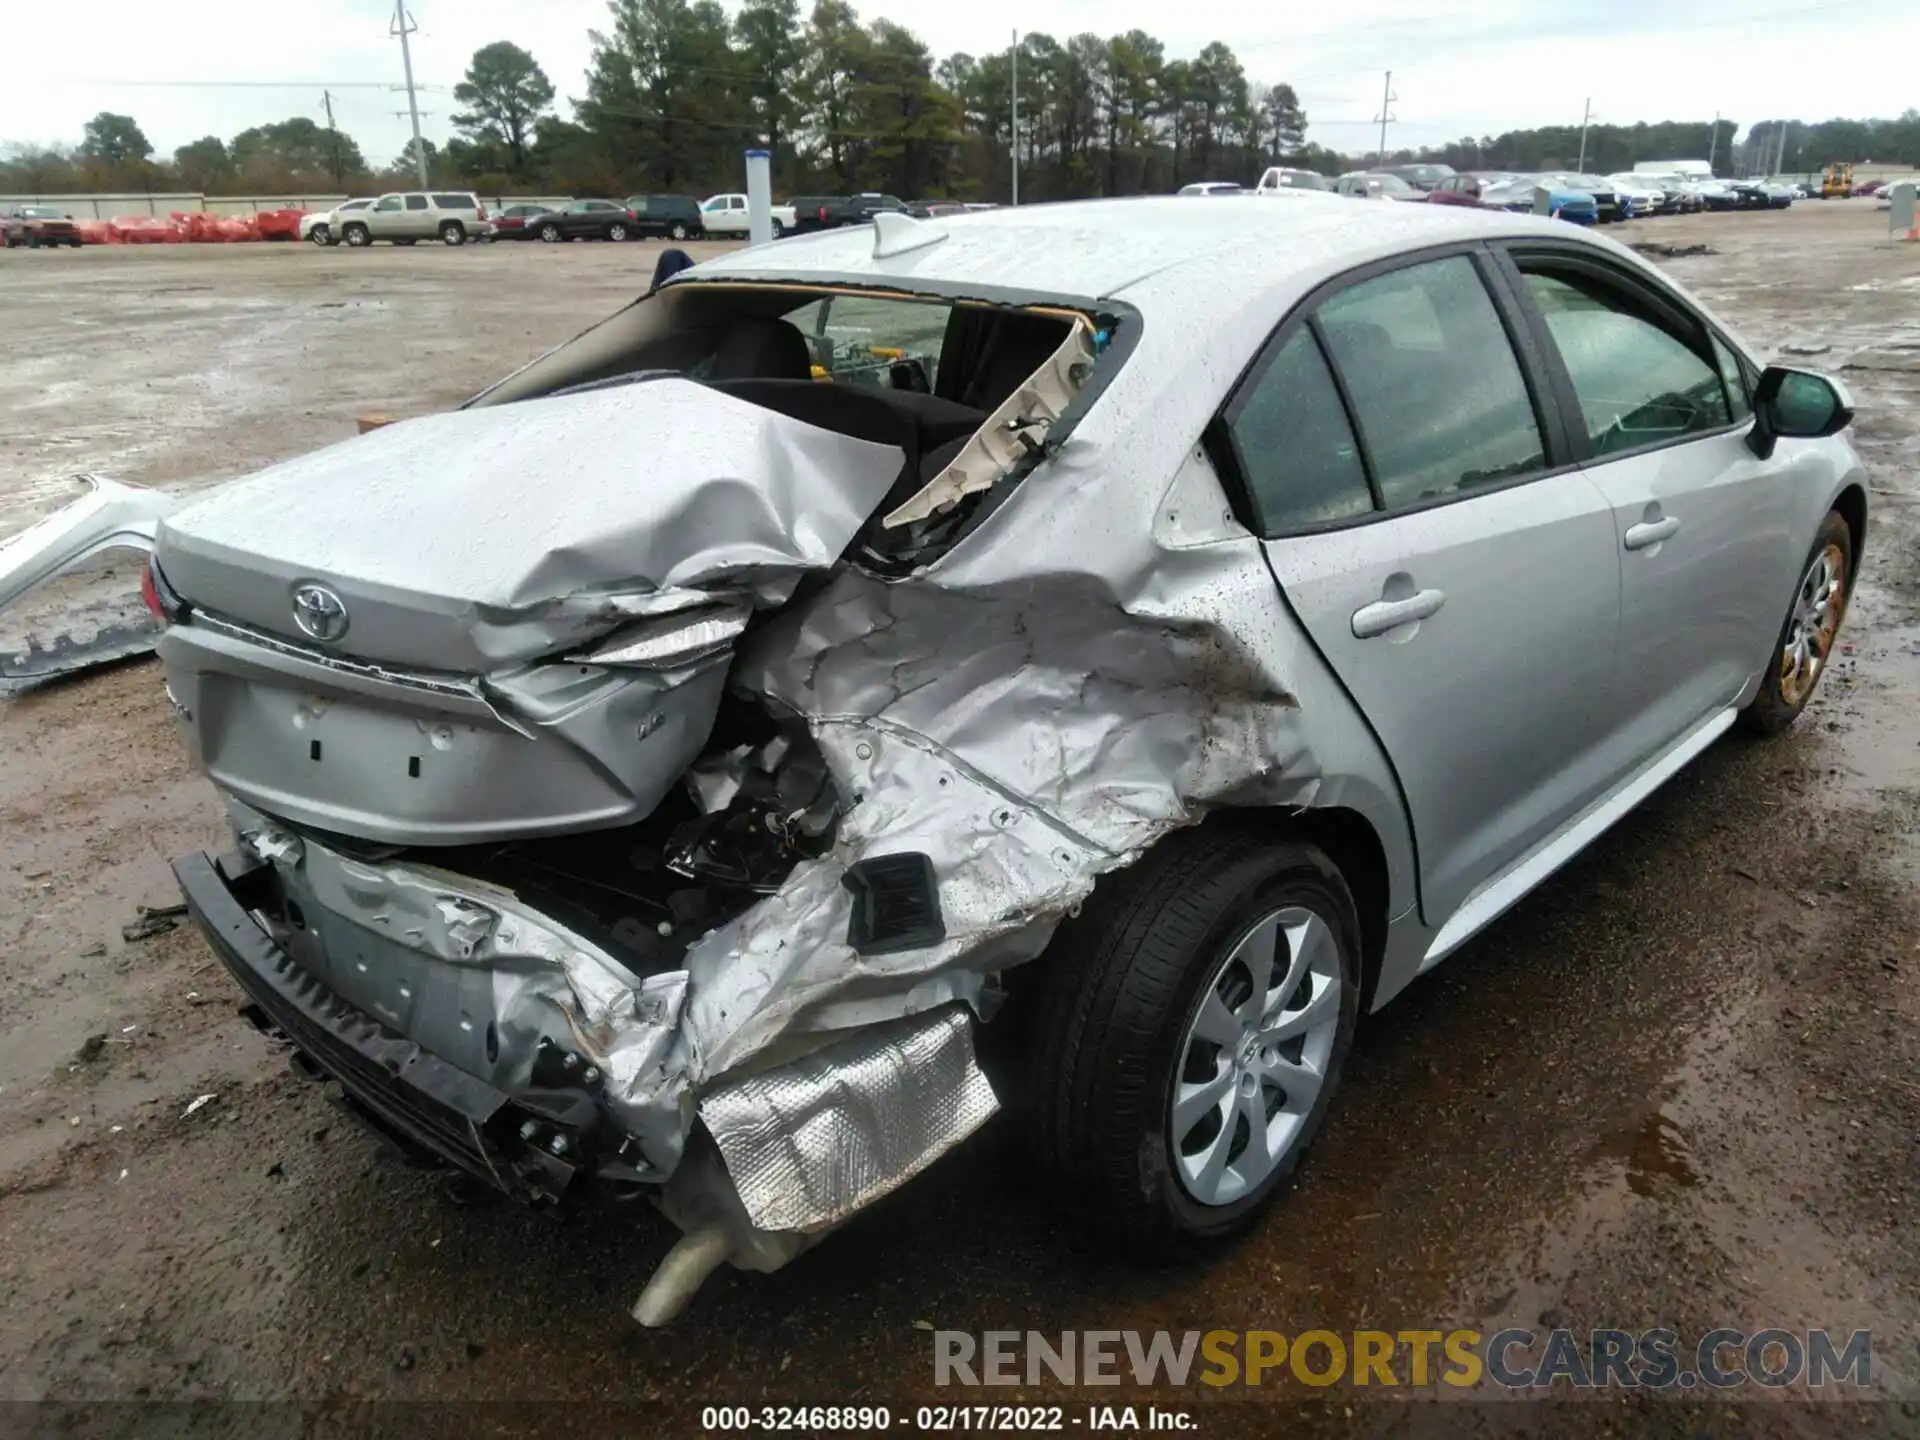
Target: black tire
x,y
1774,708
320,235
550,233
778,229
1119,987
453,233
356,235
76,242
677,231
616,232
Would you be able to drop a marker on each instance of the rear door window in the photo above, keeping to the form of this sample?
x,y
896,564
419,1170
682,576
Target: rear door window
x,y
1437,392
1293,445
1637,382
416,202
454,202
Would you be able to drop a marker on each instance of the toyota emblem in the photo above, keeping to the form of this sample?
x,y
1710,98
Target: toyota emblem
x,y
319,613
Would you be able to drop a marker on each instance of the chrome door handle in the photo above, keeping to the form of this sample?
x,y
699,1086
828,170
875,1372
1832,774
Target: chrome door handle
x,y
1384,615
1652,532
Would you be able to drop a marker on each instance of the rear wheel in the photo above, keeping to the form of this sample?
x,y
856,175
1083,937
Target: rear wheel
x,y
1811,630
319,235
677,231
453,233
778,229
1191,1026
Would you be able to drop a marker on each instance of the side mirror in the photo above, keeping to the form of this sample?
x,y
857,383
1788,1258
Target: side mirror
x,y
1797,405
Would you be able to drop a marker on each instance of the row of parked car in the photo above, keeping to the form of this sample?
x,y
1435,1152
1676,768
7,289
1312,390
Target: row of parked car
x,y
455,217
1579,197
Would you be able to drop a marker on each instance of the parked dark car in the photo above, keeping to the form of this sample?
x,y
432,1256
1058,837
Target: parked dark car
x,y
830,212
511,223
934,209
674,216
37,225
1457,190
584,220
1422,177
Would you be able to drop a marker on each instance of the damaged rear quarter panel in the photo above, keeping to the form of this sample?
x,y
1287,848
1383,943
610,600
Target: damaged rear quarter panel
x,y
1105,658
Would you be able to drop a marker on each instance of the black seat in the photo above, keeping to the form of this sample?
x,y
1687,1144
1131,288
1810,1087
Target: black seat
x,y
986,354
854,410
762,349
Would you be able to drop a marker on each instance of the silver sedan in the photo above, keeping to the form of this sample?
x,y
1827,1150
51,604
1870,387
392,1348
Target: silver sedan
x,y
1144,636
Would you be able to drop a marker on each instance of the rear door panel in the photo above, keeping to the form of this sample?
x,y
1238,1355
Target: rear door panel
x,y
1489,709
1467,595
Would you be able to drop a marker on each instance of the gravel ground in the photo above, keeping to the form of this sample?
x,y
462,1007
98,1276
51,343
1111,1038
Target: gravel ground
x,y
1679,1085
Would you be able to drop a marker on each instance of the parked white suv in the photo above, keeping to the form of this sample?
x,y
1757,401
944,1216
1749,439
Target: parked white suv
x,y
452,216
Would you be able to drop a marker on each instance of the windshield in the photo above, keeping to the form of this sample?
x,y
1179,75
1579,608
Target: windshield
x,y
39,212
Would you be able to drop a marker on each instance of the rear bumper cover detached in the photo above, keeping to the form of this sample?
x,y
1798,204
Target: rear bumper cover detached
x,y
790,1152
428,1108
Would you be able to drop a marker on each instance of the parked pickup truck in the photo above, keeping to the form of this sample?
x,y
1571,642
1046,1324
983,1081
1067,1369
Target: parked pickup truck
x,y
830,212
37,225
727,215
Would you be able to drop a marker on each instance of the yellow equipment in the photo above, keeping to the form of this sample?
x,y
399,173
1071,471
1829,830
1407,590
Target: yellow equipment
x,y
1837,182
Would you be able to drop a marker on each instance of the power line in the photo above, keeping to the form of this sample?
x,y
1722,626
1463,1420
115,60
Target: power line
x,y
250,84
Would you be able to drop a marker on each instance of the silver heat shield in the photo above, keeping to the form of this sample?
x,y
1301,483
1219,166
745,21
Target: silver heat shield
x,y
812,1142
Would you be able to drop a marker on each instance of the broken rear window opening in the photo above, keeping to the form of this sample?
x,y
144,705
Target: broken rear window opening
x,y
973,394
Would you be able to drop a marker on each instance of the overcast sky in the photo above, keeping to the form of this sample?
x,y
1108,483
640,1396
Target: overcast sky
x,y
1459,67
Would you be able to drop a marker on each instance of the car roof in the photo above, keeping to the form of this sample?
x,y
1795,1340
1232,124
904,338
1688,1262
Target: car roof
x,y
1097,249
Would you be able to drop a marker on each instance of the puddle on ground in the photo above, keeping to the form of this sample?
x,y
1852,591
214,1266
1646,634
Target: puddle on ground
x,y
1654,1152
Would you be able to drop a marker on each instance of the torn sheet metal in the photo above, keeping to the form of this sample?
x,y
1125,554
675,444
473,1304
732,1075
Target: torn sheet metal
x,y
475,975
1031,713
550,521
809,1143
90,629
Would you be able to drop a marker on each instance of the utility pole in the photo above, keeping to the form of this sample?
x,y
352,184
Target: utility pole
x,y
1387,97
1013,125
333,138
1713,141
1586,118
403,26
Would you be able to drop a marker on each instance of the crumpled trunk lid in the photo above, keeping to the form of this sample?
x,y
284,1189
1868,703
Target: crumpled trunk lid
x,y
468,560
485,537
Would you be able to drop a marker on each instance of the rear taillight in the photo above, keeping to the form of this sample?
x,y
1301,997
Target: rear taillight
x,y
167,607
823,213
481,213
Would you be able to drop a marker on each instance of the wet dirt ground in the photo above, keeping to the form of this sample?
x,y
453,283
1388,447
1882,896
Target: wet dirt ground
x,y
1678,1086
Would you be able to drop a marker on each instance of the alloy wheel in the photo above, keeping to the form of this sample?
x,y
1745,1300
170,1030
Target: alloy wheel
x,y
1255,1055
1817,608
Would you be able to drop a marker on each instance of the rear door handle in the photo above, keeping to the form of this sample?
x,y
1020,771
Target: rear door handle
x,y
1652,532
1384,615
